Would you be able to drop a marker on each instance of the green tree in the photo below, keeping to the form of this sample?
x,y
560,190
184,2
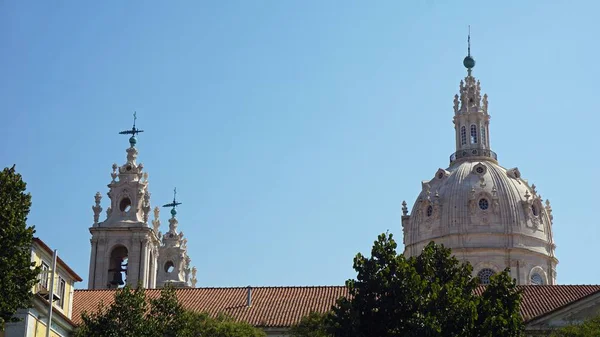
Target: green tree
x,y
498,308
134,315
430,295
125,317
312,325
166,314
17,273
589,328
202,324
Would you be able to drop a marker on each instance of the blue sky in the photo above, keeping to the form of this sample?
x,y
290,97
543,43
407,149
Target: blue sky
x,y
293,130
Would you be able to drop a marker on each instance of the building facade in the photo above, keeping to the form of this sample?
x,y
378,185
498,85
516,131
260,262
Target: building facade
x,y
34,320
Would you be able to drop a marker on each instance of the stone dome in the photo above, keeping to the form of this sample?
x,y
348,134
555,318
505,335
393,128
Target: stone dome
x,y
488,215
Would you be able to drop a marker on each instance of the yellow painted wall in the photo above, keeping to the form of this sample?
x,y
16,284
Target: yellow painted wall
x,y
37,256
39,329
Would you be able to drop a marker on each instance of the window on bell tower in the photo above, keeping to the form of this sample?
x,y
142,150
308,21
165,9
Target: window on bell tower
x,y
483,139
473,134
463,135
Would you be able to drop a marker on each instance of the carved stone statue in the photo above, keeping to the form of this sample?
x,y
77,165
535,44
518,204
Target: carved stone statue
x,y
187,274
485,103
146,206
455,103
194,280
156,221
472,207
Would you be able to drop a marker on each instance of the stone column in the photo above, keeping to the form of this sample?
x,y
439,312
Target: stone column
x,y
102,256
143,262
154,271
93,260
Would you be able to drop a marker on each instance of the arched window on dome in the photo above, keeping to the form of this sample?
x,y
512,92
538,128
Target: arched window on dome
x,y
483,138
535,210
429,210
536,279
484,275
473,134
463,135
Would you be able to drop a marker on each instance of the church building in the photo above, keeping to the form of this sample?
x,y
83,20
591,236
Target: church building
x,y
125,249
487,214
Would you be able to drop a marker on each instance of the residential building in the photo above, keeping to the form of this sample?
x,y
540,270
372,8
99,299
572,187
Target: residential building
x,y
34,320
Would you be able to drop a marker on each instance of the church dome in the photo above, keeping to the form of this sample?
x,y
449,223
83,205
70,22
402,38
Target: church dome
x,y
488,215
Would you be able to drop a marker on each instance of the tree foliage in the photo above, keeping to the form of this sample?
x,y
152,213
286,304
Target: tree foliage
x,y
432,295
312,325
498,308
589,328
134,315
201,324
17,273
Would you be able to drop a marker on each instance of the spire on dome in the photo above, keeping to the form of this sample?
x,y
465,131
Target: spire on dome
x,y
134,131
469,61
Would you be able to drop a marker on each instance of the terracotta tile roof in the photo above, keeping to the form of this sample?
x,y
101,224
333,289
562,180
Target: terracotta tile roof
x,y
542,300
271,306
284,306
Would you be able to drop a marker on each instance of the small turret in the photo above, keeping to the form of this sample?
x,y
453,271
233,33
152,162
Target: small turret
x,y
173,261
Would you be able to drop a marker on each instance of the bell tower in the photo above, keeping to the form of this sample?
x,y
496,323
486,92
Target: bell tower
x,y
173,261
124,248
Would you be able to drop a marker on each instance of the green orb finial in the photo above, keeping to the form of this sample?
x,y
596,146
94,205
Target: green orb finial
x,y
173,211
469,62
132,141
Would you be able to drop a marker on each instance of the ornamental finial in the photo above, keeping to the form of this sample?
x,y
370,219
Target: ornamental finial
x,y
97,208
134,131
469,61
404,208
174,204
